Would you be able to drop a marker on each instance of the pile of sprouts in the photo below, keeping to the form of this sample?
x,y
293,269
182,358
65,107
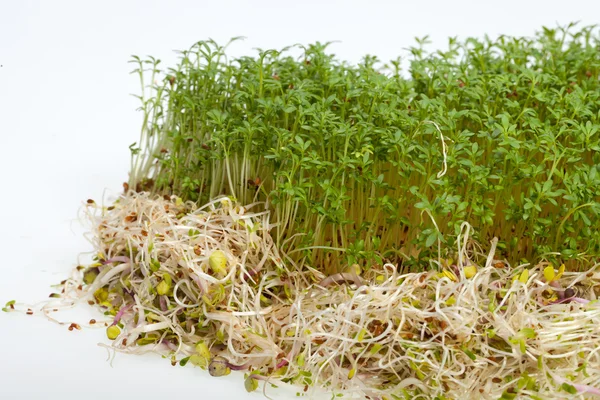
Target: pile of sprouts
x,y
207,286
347,229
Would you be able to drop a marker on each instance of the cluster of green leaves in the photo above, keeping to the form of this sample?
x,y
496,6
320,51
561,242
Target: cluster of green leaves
x,y
349,156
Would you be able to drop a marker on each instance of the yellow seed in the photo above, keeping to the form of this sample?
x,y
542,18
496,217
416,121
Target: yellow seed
x,y
106,304
101,295
113,332
354,268
361,335
470,271
450,275
561,271
375,349
218,262
163,288
352,373
451,301
549,274
524,276
90,276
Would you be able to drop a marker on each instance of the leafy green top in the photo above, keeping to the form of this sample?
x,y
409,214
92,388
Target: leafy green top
x,y
500,133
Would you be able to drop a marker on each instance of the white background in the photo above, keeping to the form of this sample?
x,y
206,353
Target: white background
x,y
67,118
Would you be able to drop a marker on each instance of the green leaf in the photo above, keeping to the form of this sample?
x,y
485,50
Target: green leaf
x,y
470,354
568,388
529,333
251,384
184,361
431,239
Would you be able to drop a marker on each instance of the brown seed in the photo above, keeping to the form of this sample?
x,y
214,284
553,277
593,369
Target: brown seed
x,y
90,302
318,340
92,321
111,208
29,311
144,233
124,342
125,187
496,380
74,326
90,201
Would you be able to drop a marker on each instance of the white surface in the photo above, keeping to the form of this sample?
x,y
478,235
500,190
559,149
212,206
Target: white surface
x,y
66,120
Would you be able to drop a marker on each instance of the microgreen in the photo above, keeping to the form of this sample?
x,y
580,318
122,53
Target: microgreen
x,y
504,134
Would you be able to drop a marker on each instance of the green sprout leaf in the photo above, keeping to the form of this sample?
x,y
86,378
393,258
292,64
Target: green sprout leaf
x,y
250,384
10,305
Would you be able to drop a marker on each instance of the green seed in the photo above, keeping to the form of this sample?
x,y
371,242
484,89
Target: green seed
x,y
113,332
